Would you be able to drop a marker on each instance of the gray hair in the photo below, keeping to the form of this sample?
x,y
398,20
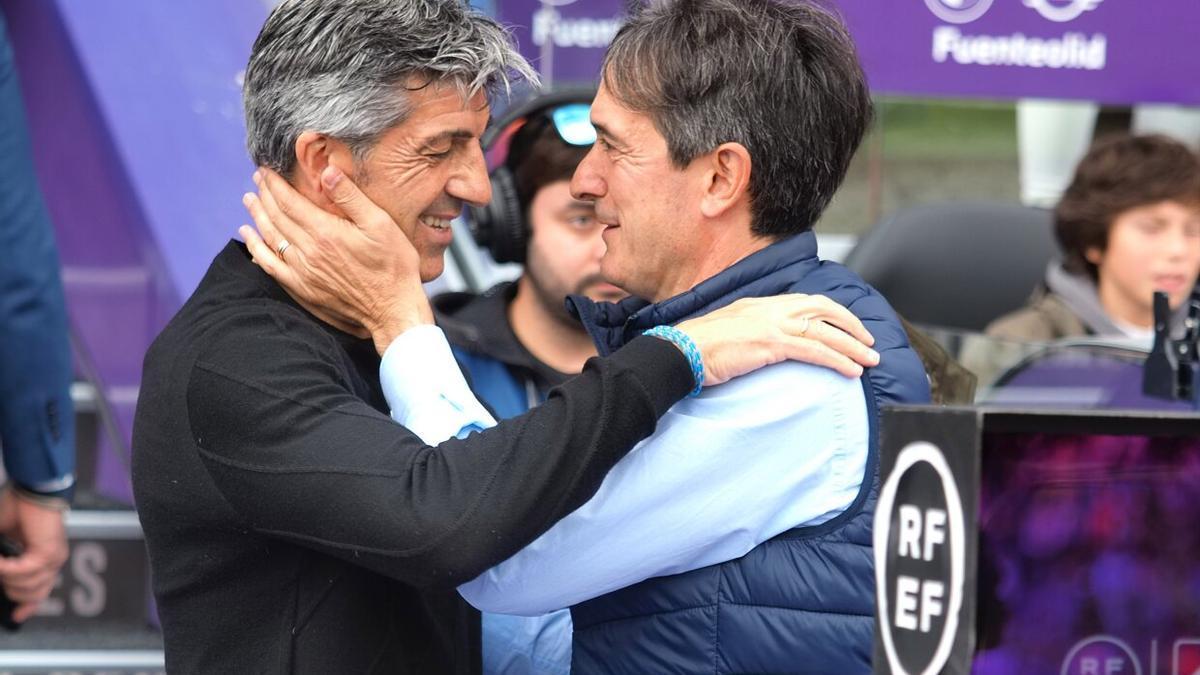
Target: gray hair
x,y
780,77
343,68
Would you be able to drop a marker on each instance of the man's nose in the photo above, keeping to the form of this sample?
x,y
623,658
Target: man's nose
x,y
471,183
587,185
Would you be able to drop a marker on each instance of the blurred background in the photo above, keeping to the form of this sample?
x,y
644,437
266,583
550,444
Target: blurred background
x,y
135,120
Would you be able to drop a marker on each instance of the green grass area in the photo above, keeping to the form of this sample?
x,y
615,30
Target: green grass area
x,y
919,129
925,151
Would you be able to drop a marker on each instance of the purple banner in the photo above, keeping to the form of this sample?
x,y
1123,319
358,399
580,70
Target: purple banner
x,y
1113,51
563,39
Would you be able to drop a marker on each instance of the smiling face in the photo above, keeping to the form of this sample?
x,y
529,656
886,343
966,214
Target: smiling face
x,y
1150,248
424,169
647,205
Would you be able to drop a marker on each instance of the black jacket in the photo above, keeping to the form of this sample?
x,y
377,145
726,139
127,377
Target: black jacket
x,y
293,527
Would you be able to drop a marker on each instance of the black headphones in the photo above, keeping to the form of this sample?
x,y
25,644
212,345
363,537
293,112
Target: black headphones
x,y
500,225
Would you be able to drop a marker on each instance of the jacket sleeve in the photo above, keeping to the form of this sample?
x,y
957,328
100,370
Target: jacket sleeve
x,y
37,425
301,458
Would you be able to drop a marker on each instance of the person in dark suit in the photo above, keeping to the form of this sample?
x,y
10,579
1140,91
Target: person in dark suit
x,y
37,427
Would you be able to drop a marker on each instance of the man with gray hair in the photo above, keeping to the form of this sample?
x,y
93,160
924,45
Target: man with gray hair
x,y
292,526
738,537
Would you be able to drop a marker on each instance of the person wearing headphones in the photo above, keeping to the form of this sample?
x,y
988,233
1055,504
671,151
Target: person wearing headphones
x,y
516,340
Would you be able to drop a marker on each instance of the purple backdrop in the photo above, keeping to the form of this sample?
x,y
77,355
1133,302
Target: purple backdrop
x,y
135,116
1117,51
563,39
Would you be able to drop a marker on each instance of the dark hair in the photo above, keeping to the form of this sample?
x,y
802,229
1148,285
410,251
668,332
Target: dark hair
x,y
538,156
780,78
1119,173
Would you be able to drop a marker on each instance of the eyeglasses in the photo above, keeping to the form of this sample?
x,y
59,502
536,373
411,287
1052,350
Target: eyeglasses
x,y
573,123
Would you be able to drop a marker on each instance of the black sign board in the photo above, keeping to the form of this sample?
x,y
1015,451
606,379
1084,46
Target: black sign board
x,y
925,542
1011,541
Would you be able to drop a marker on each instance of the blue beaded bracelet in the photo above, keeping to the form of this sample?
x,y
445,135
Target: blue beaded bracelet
x,y
685,345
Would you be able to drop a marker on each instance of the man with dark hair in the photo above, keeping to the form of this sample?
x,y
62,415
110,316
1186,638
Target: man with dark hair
x,y
724,128
292,526
517,340
1128,225
737,538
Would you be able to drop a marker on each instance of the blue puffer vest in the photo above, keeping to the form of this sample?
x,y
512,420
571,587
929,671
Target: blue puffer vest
x,y
802,602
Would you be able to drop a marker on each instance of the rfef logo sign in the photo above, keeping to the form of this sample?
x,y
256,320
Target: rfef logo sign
x,y
920,556
1101,655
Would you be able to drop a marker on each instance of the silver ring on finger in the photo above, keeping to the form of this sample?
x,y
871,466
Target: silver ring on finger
x,y
804,328
284,244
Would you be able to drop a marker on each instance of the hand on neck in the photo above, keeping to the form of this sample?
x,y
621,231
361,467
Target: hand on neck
x,y
309,187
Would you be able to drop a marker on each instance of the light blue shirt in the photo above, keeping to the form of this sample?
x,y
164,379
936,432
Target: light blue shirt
x,y
435,403
782,447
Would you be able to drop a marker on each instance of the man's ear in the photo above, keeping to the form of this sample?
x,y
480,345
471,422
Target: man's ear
x,y
314,152
1094,255
727,174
